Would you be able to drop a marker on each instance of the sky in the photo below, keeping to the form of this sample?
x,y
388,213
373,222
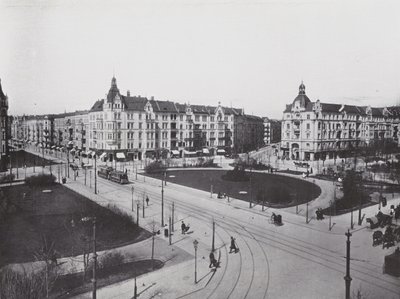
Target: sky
x,y
60,55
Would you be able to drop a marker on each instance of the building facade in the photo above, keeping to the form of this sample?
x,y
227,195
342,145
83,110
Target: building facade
x,y
272,130
4,134
139,127
249,133
135,127
316,130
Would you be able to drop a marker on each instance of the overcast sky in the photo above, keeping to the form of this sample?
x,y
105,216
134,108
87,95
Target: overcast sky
x,y
58,56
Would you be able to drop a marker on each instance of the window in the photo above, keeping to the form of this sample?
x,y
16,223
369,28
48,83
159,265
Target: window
x,y
308,126
197,118
212,118
308,116
204,118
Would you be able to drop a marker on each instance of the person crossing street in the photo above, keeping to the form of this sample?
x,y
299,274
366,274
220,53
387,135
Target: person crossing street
x,y
233,245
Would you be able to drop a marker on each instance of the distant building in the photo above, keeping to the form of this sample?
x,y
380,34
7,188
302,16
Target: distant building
x,y
272,130
316,130
5,128
249,133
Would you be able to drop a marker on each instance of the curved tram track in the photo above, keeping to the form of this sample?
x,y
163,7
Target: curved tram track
x,y
265,236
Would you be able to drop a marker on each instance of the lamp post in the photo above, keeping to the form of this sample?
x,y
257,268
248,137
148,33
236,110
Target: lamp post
x,y
195,244
95,173
347,278
162,204
251,190
137,211
133,189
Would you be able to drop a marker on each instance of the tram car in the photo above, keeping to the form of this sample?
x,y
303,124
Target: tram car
x,y
119,177
104,172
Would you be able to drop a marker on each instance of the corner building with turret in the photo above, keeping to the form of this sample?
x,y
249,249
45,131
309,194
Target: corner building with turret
x,y
317,130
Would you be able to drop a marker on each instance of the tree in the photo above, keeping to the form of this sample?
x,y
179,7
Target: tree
x,y
47,253
352,189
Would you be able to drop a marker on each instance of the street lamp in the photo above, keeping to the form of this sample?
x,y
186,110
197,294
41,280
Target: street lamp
x,y
195,244
137,211
133,189
162,204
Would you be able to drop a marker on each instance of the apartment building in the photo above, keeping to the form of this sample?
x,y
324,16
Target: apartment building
x,y
4,134
134,127
249,133
272,130
316,130
138,127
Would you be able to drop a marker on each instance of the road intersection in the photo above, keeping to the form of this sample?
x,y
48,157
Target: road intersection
x,y
296,260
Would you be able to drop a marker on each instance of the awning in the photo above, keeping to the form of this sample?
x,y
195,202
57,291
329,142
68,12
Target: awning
x,y
72,151
175,152
40,145
190,153
206,151
53,147
103,155
70,143
120,156
221,151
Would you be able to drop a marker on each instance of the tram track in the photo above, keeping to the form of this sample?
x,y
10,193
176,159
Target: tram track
x,y
297,247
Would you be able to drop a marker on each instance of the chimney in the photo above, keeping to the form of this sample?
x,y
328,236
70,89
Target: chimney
x,y
128,93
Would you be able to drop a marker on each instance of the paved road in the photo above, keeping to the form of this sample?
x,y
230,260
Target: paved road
x,y
296,260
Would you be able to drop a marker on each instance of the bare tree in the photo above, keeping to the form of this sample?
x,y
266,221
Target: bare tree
x,y
47,253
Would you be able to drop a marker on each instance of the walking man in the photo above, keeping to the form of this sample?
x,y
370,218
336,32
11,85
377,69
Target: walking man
x,y
233,245
212,260
183,227
147,200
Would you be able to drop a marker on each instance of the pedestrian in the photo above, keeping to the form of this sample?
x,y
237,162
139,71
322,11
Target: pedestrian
x,y
183,227
147,200
212,259
233,245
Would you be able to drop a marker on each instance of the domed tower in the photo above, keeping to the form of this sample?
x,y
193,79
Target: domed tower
x,y
302,88
301,101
